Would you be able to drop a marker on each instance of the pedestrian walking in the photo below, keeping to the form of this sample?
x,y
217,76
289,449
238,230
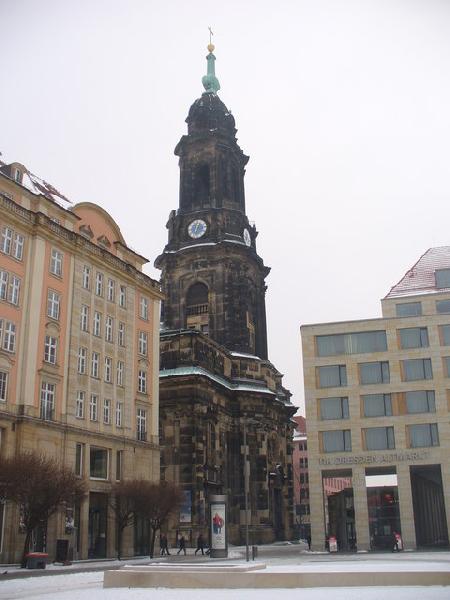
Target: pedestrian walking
x,y
181,545
395,547
163,544
200,544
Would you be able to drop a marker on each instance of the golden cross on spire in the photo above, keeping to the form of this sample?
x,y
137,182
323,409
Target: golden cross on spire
x,y
210,45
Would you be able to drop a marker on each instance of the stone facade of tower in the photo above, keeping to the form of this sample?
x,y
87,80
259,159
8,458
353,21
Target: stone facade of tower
x,y
215,379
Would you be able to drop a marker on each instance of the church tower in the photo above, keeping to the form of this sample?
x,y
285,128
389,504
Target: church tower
x,y
212,275
222,402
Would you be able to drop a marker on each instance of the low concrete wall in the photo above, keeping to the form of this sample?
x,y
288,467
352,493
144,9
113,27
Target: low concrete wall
x,y
218,579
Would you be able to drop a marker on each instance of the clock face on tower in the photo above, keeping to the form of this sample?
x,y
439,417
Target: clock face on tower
x,y
247,238
197,228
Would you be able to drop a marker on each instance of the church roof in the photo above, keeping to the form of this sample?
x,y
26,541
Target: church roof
x,y
421,278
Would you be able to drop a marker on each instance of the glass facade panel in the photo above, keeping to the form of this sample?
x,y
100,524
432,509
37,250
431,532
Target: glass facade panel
x,y
351,343
442,278
423,435
417,368
420,401
332,376
443,306
414,337
337,441
334,408
374,372
379,438
408,309
377,405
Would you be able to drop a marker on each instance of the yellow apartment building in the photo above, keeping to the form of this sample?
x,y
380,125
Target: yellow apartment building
x,y
378,418
79,358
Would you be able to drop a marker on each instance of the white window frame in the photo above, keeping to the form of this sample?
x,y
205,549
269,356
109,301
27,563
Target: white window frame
x,y
82,360
107,411
4,279
119,413
111,290
95,365
9,337
143,343
84,318
18,246
86,277
53,305
108,369
141,424
50,349
47,404
56,262
121,334
99,284
143,308
79,409
97,324
120,372
3,386
109,329
6,240
93,408
142,381
14,289
123,296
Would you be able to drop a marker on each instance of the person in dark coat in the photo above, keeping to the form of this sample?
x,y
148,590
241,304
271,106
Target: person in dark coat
x,y
182,545
395,547
164,545
200,544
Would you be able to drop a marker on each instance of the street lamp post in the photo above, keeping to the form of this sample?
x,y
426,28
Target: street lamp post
x,y
246,491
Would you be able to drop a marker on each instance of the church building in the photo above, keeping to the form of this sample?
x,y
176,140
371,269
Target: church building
x,y
222,401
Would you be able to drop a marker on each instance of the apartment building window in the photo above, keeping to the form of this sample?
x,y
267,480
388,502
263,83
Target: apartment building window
x,y
420,401
447,365
9,335
374,372
98,467
111,290
143,311
18,244
445,335
332,376
141,424
333,408
377,405
86,277
109,324
95,364
303,463
379,438
93,408
14,290
79,412
416,369
99,284
123,296
108,369
442,278
408,309
337,441
84,318
79,451
142,343
423,435
82,359
97,325
50,346
119,462
56,262
351,343
107,411
6,240
119,414
4,276
120,370
53,304
414,337
3,385
121,334
443,306
142,381
47,400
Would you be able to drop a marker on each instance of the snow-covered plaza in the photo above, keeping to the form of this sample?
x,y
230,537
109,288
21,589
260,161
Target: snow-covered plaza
x,y
78,585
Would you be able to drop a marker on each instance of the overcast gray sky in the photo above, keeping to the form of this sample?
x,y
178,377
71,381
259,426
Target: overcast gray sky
x,y
343,107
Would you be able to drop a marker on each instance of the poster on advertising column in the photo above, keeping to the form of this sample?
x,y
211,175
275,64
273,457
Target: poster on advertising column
x,y
218,526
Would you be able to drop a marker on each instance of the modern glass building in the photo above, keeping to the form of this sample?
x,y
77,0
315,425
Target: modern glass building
x,y
378,416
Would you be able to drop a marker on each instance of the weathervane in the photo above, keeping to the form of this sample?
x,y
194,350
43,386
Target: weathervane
x,y
210,45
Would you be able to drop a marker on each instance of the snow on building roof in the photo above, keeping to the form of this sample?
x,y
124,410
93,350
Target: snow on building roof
x,y
420,279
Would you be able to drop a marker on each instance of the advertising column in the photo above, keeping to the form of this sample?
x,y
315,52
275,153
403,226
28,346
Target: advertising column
x,y
218,526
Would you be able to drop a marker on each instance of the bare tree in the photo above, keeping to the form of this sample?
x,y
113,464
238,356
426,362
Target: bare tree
x,y
123,499
156,502
40,486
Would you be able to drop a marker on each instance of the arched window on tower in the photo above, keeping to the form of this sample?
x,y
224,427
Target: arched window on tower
x,y
202,186
197,308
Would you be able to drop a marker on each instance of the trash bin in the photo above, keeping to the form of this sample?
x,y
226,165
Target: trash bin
x,y
254,552
62,551
36,560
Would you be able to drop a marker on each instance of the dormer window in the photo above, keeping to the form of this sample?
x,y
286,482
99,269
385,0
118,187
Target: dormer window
x,y
18,175
442,278
86,231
